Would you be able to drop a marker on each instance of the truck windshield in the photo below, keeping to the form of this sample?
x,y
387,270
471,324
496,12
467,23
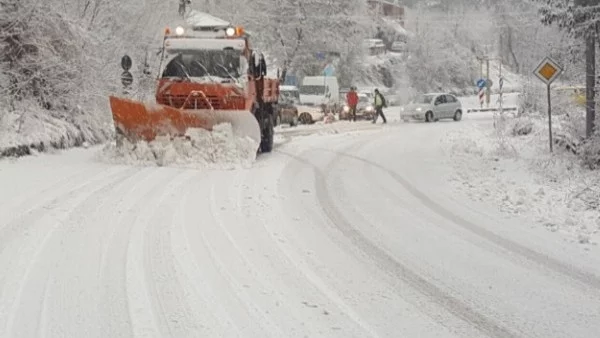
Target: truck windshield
x,y
200,63
312,90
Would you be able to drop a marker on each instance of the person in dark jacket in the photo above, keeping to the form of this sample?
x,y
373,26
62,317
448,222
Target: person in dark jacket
x,y
379,105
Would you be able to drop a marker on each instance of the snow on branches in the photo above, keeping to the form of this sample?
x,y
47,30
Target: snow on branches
x,y
577,17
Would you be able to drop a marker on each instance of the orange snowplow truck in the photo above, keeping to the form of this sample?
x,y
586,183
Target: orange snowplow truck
x,y
208,75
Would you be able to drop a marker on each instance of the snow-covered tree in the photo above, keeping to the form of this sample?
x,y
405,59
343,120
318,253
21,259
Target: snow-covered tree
x,y
577,17
293,31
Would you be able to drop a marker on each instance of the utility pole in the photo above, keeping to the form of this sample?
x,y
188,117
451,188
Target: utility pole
x,y
488,90
590,83
590,63
500,85
487,76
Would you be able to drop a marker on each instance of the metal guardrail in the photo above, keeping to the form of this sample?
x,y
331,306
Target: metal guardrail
x,y
495,109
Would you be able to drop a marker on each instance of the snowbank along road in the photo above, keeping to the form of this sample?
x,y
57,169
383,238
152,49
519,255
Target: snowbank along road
x,y
348,235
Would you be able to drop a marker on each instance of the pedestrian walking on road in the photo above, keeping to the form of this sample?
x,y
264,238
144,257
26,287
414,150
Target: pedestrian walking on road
x,y
352,101
379,105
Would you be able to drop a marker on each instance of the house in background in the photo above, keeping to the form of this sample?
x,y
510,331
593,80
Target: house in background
x,y
392,9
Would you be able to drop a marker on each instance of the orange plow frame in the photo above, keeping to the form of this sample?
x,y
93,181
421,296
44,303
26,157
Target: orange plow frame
x,y
138,121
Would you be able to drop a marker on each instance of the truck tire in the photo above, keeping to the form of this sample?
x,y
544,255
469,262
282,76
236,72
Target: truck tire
x,y
267,134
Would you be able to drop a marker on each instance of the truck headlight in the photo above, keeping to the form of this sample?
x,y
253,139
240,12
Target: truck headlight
x,y
346,109
369,108
419,109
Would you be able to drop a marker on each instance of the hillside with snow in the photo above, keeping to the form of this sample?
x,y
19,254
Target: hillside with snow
x,y
54,87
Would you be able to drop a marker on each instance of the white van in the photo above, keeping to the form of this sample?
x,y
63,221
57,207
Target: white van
x,y
320,90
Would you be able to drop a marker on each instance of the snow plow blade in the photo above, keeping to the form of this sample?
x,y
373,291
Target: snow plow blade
x,y
138,121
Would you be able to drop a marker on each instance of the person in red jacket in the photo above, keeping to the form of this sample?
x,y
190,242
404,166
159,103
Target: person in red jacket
x,y
352,101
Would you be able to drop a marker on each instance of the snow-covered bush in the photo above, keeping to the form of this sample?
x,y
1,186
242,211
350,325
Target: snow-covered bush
x,y
590,152
59,62
522,126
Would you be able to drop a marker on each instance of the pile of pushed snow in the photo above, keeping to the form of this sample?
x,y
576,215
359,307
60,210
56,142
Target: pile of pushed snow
x,y
518,174
216,149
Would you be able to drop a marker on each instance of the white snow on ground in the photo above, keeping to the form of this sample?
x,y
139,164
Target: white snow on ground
x,y
508,100
320,128
216,149
354,234
519,174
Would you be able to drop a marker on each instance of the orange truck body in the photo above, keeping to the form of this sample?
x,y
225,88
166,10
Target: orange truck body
x,y
182,104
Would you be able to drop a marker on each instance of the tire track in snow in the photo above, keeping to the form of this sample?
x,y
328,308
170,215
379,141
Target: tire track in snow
x,y
208,303
113,307
16,226
77,229
146,318
452,305
218,263
162,275
254,310
113,271
520,285
293,295
307,272
586,279
28,202
29,251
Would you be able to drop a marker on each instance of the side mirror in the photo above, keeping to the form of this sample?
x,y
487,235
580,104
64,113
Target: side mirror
x,y
262,66
251,63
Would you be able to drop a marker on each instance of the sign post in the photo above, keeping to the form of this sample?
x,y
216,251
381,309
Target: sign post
x,y
126,76
481,83
548,71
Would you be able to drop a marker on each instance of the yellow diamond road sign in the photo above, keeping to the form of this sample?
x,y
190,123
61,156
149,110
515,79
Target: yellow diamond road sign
x,y
548,71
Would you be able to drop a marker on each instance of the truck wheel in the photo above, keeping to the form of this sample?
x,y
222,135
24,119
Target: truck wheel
x,y
294,121
305,118
266,143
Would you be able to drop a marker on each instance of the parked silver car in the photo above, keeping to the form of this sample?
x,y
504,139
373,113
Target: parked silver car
x,y
432,107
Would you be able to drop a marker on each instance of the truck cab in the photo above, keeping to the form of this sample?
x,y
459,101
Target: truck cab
x,y
208,75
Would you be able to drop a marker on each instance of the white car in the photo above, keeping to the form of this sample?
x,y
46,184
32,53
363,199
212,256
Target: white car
x,y
433,107
310,114
364,108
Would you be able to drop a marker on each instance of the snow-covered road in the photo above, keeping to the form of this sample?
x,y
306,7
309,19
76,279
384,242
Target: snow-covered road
x,y
349,235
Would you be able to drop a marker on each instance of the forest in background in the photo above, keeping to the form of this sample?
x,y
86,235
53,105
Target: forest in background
x,y
60,59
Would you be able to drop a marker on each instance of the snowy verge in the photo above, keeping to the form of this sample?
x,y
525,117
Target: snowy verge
x,y
200,149
31,130
518,173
